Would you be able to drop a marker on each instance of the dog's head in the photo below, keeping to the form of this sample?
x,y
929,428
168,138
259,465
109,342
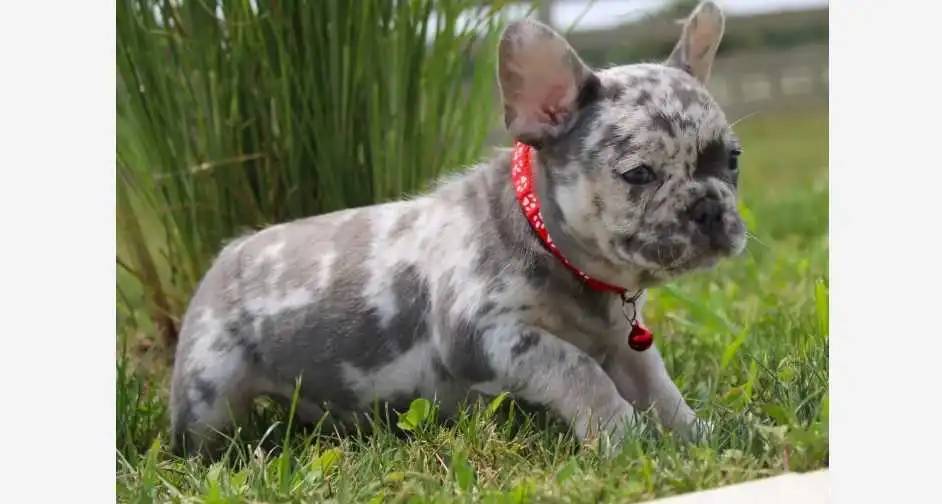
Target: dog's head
x,y
639,165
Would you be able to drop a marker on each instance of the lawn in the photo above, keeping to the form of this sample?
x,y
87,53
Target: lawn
x,y
747,345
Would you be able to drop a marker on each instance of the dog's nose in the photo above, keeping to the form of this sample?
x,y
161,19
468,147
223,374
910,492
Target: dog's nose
x,y
708,214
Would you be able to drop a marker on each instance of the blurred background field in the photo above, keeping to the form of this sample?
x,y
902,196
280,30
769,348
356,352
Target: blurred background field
x,y
287,109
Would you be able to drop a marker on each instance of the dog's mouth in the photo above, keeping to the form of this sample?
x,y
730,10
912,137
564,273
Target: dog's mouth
x,y
730,242
662,256
673,257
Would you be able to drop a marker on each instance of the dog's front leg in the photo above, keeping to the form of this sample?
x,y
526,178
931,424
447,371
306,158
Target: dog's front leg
x,y
536,366
642,379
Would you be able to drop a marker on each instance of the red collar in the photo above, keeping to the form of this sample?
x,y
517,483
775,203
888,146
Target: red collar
x,y
521,172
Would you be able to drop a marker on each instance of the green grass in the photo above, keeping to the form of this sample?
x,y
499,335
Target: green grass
x,y
747,344
282,110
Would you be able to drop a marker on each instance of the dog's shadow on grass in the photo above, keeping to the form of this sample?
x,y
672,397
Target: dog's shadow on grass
x,y
263,436
264,433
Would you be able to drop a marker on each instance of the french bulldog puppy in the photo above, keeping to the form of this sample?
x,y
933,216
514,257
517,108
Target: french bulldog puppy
x,y
525,274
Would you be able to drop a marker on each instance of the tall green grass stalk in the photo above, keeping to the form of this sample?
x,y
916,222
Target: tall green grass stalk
x,y
233,115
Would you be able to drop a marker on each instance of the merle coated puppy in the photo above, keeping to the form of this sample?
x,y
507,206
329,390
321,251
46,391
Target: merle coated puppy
x,y
525,274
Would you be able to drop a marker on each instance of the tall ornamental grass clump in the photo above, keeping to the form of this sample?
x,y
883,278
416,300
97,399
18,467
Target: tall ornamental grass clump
x,y
234,115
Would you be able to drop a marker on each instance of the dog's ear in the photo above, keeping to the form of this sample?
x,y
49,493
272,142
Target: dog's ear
x,y
542,80
701,36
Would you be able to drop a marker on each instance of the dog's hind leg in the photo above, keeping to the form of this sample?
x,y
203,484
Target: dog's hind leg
x,y
211,390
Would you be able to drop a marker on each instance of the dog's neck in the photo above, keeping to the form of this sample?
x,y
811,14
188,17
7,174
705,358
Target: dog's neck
x,y
571,247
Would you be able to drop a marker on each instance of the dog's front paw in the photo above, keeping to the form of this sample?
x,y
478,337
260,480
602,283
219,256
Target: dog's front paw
x,y
607,445
609,432
701,431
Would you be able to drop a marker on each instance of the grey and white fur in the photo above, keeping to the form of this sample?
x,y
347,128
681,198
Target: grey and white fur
x,y
450,295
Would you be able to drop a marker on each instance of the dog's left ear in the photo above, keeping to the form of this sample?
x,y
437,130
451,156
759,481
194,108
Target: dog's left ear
x,y
542,80
701,36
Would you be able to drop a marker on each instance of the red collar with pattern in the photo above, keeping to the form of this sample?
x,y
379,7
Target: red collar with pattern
x,y
521,172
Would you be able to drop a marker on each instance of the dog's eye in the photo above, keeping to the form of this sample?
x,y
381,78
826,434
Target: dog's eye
x,y
734,160
639,176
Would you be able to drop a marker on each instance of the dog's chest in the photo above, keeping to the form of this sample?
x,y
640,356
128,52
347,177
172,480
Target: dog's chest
x,y
596,331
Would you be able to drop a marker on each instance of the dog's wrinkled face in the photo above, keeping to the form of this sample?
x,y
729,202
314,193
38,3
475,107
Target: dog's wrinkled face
x,y
640,164
657,173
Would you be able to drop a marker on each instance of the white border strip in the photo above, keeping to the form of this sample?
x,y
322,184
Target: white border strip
x,y
806,488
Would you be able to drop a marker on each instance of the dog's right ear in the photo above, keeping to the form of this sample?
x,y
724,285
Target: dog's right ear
x,y
542,81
